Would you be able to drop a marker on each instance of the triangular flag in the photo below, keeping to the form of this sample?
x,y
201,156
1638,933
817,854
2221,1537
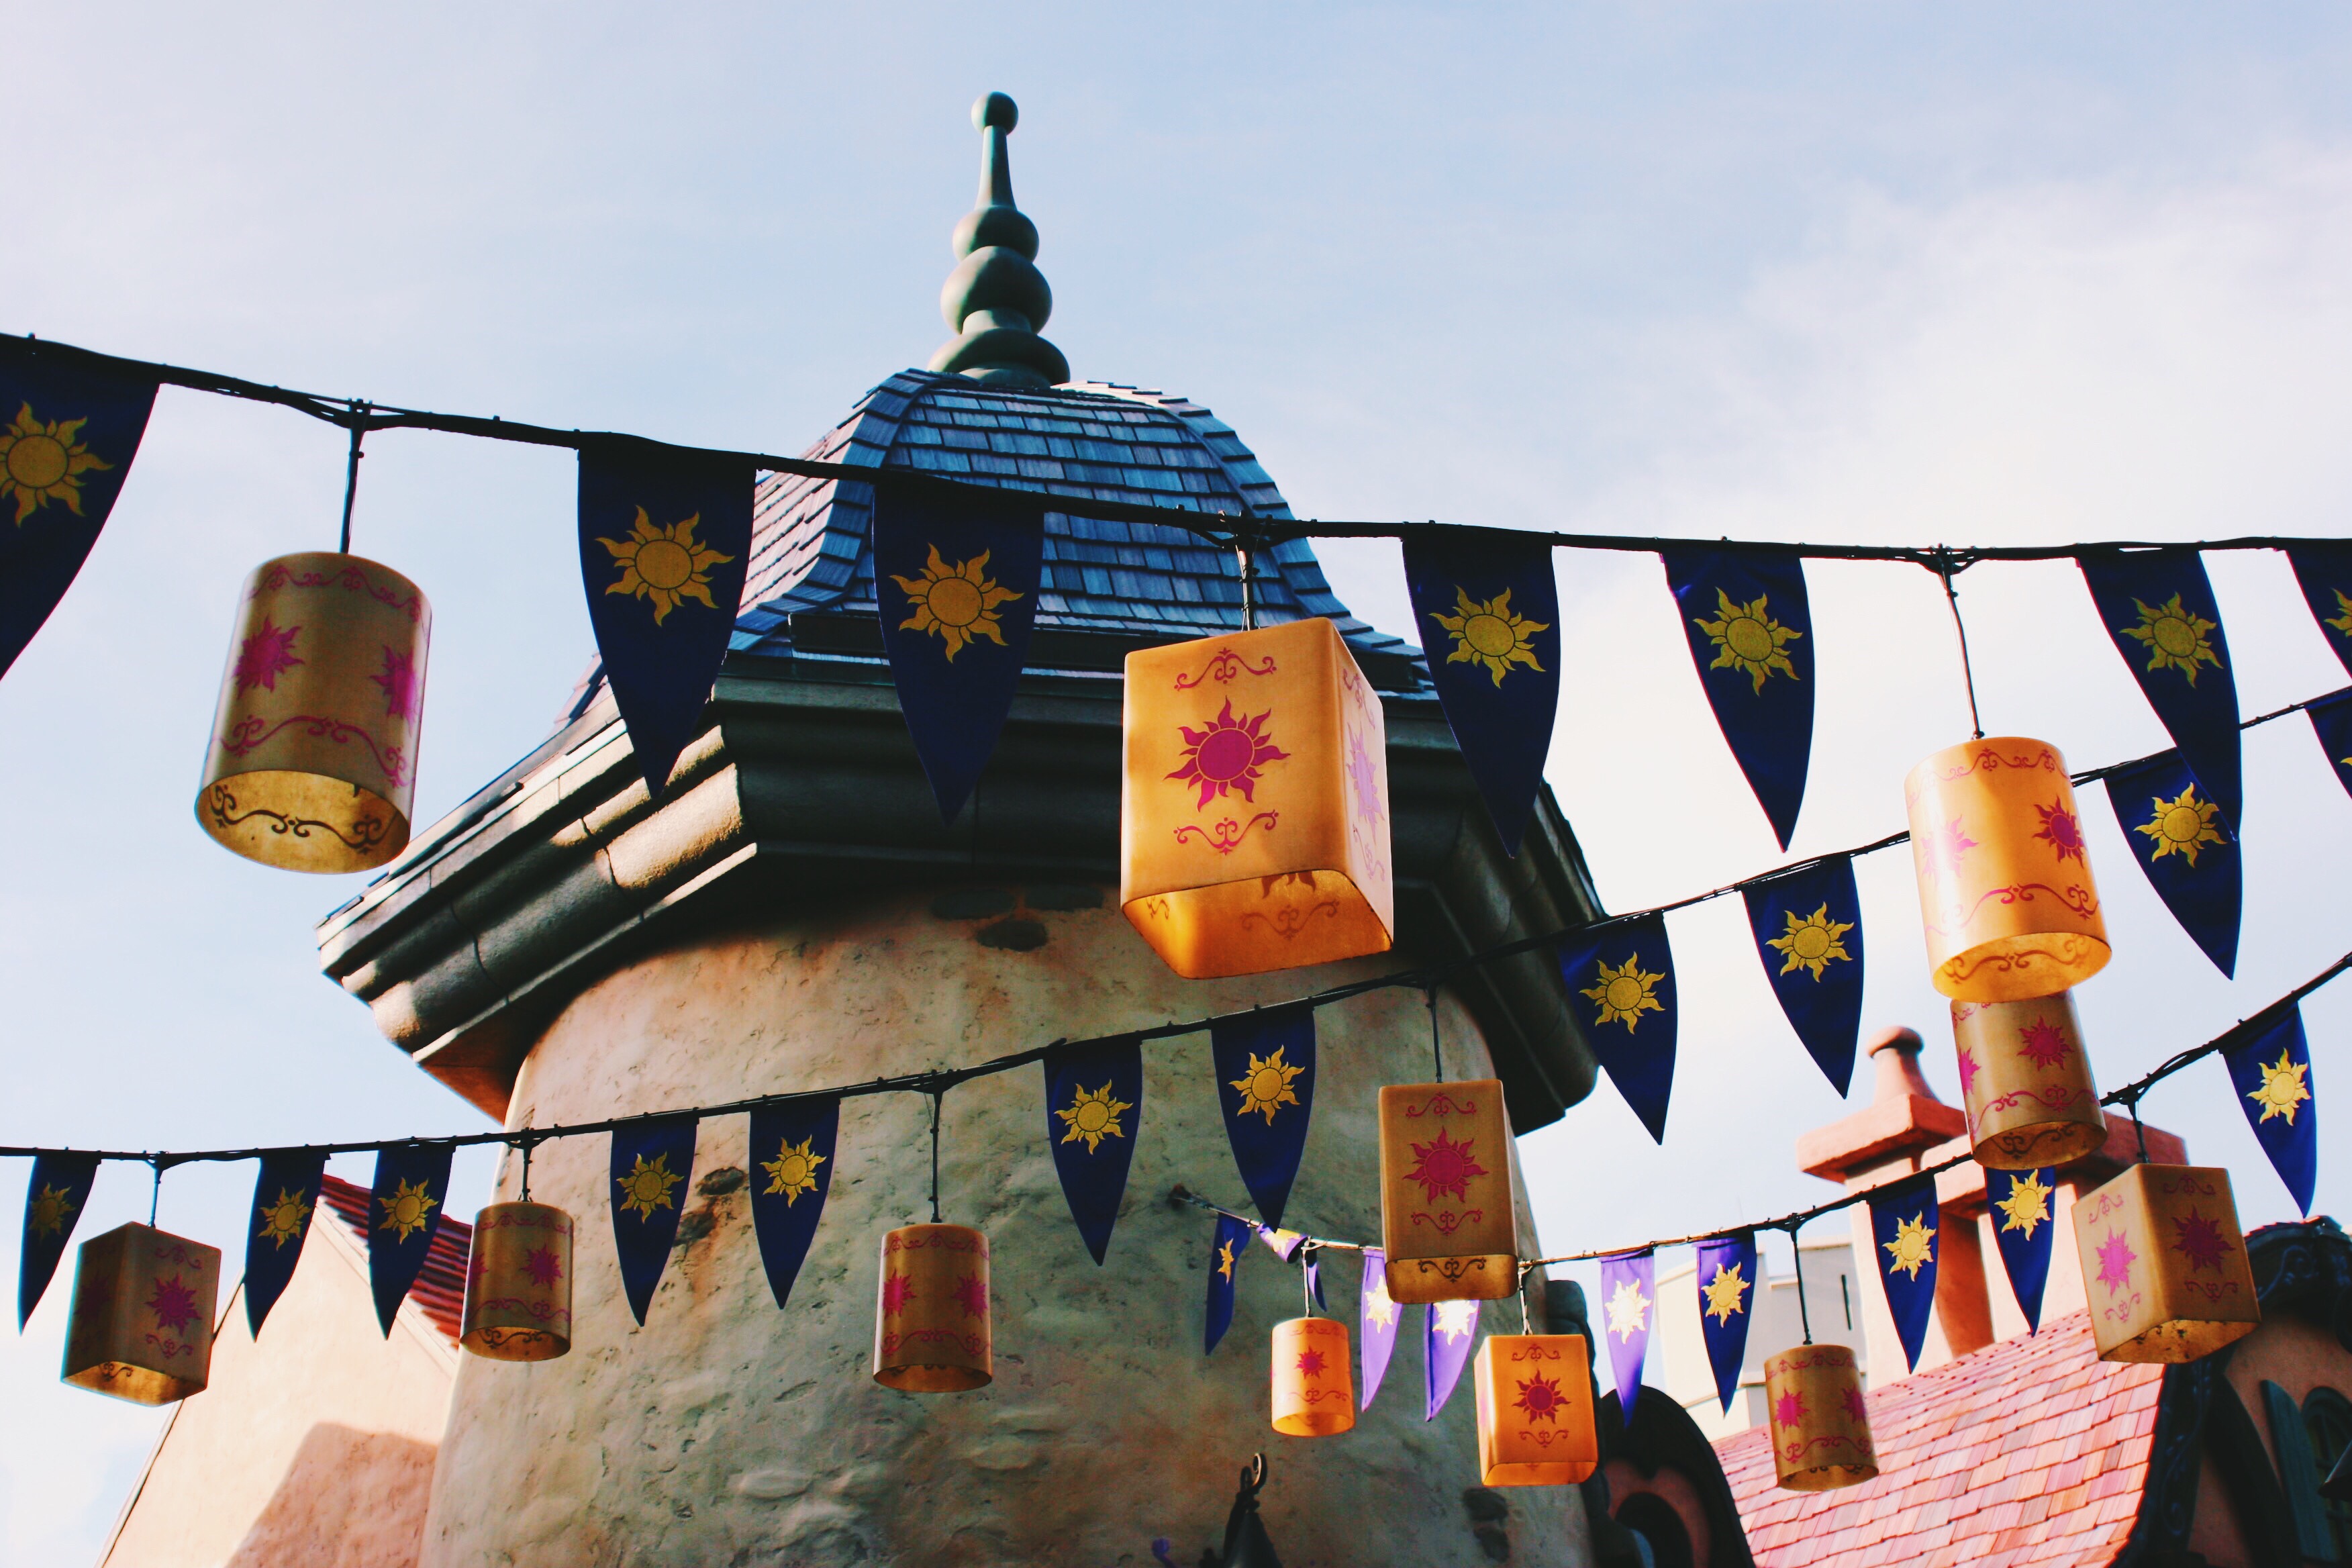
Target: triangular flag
x,y
2023,1225
2187,853
2331,720
1449,1330
652,1161
1621,984
1750,630
2323,570
1377,1314
1226,1250
1808,926
2158,608
2271,1070
1629,1288
55,1195
1727,1305
1264,1064
403,1213
791,1171
1094,1112
1904,1223
285,1196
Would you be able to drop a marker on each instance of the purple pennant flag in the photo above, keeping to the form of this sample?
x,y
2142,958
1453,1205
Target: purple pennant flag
x,y
1377,1330
1629,1288
1727,1300
1284,1244
1448,1330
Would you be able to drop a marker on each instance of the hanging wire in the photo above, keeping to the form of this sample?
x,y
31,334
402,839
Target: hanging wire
x,y
1944,569
155,1193
2131,1099
1525,1327
1242,545
351,475
1306,1276
1436,1043
938,1104
1797,1258
528,1145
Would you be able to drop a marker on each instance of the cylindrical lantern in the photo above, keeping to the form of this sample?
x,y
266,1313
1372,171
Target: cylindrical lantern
x,y
1254,815
313,756
930,1322
2025,1082
1447,1219
518,1283
1821,1426
1314,1383
1535,1410
141,1323
2004,873
2165,1264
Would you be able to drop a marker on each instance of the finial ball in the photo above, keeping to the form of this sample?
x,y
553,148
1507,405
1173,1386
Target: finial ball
x,y
994,109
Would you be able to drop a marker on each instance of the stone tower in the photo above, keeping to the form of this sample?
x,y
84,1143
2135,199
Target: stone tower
x,y
792,914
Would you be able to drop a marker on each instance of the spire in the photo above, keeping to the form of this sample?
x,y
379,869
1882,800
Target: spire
x,y
996,298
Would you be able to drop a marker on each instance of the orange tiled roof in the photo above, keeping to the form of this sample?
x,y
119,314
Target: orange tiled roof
x,y
2028,1451
440,1289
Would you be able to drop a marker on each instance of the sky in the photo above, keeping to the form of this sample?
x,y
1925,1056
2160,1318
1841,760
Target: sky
x,y
2016,274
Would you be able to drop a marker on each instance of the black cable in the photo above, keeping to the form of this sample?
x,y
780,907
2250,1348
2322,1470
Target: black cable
x,y
1968,671
1797,1261
351,477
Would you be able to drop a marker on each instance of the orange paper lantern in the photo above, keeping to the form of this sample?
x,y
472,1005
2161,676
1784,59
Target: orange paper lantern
x,y
2165,1264
1254,822
1821,1425
1314,1385
141,1327
2004,874
2026,1083
1535,1410
518,1283
1447,1219
931,1322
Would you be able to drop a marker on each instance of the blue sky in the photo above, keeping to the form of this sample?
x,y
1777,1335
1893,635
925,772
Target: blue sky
x,y
1802,271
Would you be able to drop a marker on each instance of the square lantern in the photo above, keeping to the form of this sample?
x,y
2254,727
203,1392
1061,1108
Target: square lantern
x,y
141,1327
1535,1410
1253,817
1447,1218
2164,1264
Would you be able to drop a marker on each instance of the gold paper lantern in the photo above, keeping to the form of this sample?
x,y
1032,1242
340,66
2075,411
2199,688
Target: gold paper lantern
x,y
518,1283
931,1320
2004,874
141,1327
1253,821
1821,1426
2026,1083
2165,1264
1314,1383
1447,1219
1535,1410
313,758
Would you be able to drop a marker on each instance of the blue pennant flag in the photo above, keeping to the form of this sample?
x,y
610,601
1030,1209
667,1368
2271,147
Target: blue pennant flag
x,y
1621,984
665,538
2158,608
2185,848
1808,926
1903,1221
1751,634
54,1199
651,1163
1488,613
1377,1314
285,1196
69,427
1094,1110
1449,1331
1226,1250
2331,720
2324,573
792,1172
2023,1225
403,1213
2270,1070
1726,1304
1629,1290
956,585
1266,1085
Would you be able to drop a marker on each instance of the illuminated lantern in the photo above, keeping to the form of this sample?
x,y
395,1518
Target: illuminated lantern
x,y
141,1327
1821,1426
930,1322
313,757
1535,1410
1253,821
2025,1082
1314,1383
1447,1219
2005,881
2165,1264
518,1283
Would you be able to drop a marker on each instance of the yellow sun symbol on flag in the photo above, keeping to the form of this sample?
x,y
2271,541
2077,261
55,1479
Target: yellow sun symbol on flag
x,y
1912,1248
1457,1320
2027,1206
667,565
794,1170
50,1208
1747,637
646,1187
2342,623
1726,1292
282,1221
958,602
2174,638
1380,1307
43,463
1812,942
1489,635
408,1210
2180,826
1093,1117
1265,1086
2282,1088
1624,992
1628,1310
1225,1259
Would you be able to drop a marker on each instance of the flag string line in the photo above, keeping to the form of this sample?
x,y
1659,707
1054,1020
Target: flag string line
x,y
938,1080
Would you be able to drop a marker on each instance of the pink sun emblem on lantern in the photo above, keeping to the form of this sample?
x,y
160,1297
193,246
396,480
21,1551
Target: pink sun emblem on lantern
x,y
265,656
1856,1410
971,1296
399,683
2063,830
2043,1043
173,1304
1446,1165
1228,754
897,1291
541,1264
1310,1363
1788,1410
2198,1240
2116,1260
1540,1397
1969,1071
1945,846
1366,777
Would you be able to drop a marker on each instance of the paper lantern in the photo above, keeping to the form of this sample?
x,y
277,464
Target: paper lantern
x,y
1535,1410
313,756
932,1323
2026,1083
1447,1219
518,1283
1314,1381
1254,820
2164,1264
141,1327
1821,1425
2004,875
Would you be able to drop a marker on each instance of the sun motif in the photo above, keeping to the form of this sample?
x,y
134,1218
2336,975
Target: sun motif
x,y
1628,1310
2174,637
399,683
1266,1085
1366,776
1489,636
1969,1071
2282,1087
1625,993
2062,830
1912,1248
268,653
174,1303
1446,1165
1380,1307
2043,1043
2116,1260
959,601
898,1289
1811,942
1228,753
2199,1240
646,1187
408,1210
1747,637
2027,1204
1788,1410
1093,1116
794,1170
1856,1409
971,1296
1945,846
283,1221
1540,1398
2178,827
50,1208
1310,1363
1225,1259
1726,1293
1456,1319
43,463
667,565
2342,623
543,1267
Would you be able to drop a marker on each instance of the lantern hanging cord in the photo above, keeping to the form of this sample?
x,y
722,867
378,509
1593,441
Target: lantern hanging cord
x,y
1437,1041
1306,1276
1797,1262
939,1108
155,1193
1945,569
359,426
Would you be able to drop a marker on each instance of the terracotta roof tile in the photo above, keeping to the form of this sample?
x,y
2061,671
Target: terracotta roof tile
x,y
440,1289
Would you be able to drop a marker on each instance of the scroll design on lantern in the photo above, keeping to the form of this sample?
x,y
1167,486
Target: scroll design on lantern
x,y
141,1326
1535,1410
2164,1264
1313,1381
1447,1220
2026,1083
518,1283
